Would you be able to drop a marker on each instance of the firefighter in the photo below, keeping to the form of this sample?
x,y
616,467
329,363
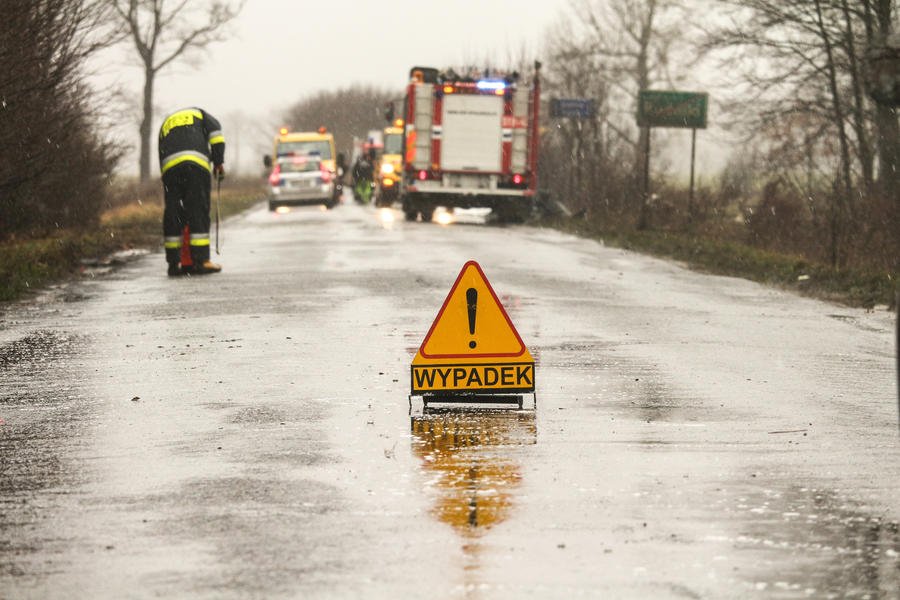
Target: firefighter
x,y
363,175
191,150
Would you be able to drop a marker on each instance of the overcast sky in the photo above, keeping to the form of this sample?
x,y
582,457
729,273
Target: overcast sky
x,y
283,50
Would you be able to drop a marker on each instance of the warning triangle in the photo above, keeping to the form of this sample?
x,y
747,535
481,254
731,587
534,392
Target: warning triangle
x,y
472,323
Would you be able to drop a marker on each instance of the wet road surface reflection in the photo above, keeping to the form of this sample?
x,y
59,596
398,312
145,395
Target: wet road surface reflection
x,y
43,409
474,474
856,554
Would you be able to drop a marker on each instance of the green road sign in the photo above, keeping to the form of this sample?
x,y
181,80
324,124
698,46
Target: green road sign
x,y
672,109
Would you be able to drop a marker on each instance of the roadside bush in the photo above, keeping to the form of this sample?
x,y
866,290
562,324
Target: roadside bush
x,y
53,166
778,221
131,190
590,185
876,239
671,209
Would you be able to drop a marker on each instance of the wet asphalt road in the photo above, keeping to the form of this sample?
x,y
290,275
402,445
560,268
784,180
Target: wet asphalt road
x,y
247,435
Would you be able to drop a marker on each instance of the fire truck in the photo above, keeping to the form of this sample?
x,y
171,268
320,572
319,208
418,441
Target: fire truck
x,y
470,141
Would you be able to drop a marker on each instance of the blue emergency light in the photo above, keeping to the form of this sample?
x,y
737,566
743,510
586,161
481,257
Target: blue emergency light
x,y
491,84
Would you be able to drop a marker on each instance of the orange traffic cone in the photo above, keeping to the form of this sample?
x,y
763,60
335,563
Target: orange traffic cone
x,y
186,262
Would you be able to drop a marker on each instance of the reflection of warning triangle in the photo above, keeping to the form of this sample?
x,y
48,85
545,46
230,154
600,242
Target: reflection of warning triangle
x,y
472,322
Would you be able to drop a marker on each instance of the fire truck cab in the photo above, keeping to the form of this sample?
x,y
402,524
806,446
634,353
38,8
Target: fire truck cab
x,y
470,141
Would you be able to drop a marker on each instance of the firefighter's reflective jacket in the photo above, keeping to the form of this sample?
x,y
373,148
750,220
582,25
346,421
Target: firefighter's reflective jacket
x,y
190,135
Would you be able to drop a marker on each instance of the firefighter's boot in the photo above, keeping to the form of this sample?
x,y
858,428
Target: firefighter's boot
x,y
205,268
175,269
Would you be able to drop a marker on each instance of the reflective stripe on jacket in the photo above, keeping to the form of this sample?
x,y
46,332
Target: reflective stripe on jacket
x,y
191,135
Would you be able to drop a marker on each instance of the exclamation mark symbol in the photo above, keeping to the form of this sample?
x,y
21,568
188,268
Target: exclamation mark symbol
x,y
472,305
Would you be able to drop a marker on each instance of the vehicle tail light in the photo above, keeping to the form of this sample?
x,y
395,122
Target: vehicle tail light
x,y
326,176
518,179
275,176
423,175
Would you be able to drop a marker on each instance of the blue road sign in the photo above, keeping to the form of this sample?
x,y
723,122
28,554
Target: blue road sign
x,y
572,108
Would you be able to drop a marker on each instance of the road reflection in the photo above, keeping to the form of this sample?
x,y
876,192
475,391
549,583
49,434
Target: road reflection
x,y
44,410
856,554
475,472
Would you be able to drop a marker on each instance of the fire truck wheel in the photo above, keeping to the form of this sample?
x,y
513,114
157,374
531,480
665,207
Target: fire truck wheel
x,y
410,215
272,206
427,214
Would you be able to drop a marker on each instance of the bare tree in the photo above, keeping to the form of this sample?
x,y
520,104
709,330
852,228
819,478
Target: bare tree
x,y
347,112
800,66
53,166
576,161
162,32
609,50
880,21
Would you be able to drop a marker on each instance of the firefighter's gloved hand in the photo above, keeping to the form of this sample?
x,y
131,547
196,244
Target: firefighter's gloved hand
x,y
219,171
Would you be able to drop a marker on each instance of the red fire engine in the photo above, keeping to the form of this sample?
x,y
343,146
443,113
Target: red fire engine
x,y
470,141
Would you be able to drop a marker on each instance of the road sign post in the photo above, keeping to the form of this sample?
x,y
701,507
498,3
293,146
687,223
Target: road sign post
x,y
472,352
691,193
685,110
643,218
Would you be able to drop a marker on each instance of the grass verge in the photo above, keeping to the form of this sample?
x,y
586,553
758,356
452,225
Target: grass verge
x,y
853,287
29,264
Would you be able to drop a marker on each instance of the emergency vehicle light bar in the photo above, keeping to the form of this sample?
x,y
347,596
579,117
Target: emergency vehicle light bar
x,y
491,84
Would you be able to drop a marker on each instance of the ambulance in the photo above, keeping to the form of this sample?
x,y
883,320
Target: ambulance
x,y
295,152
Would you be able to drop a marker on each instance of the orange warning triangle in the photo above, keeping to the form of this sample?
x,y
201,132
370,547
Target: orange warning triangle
x,y
472,323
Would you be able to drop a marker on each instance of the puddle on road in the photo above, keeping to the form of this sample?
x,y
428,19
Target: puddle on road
x,y
855,321
468,459
628,385
250,527
811,543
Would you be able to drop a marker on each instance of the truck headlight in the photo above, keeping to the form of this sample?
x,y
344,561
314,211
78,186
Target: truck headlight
x,y
387,169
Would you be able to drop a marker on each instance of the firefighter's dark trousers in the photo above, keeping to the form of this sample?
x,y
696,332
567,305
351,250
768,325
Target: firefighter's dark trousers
x,y
187,188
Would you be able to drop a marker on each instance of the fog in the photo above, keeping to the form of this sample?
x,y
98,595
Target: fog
x,y
279,51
